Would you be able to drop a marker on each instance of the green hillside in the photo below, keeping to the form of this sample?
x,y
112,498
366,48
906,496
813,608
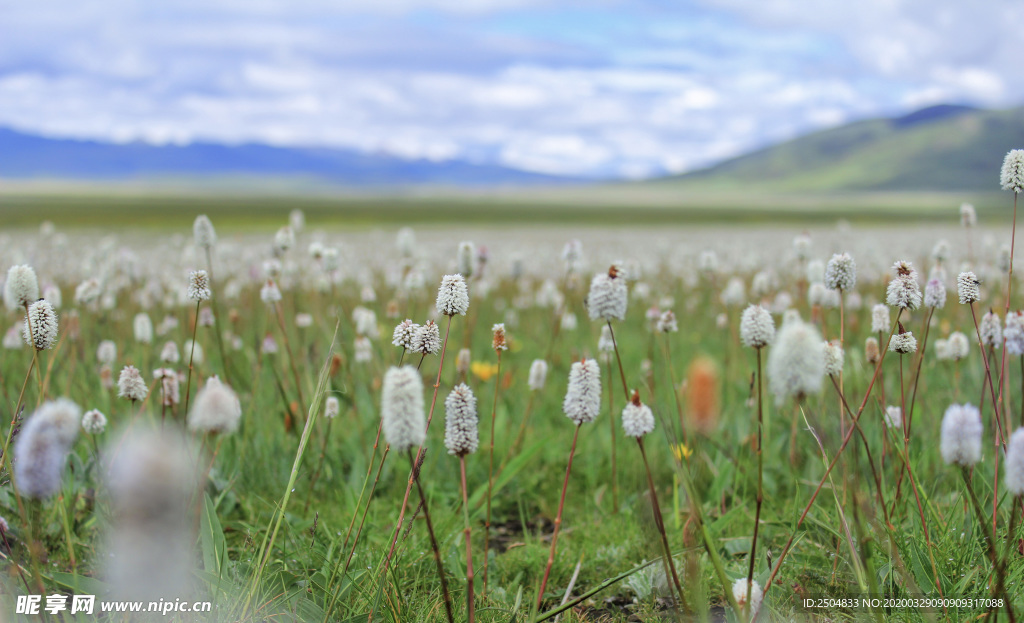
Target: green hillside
x,y
944,148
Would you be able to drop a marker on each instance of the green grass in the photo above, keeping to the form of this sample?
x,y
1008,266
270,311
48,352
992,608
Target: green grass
x,y
253,473
625,204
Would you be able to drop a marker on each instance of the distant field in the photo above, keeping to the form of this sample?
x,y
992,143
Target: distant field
x,y
620,204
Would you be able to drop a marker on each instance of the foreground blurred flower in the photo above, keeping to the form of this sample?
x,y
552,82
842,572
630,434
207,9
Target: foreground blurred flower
x,y
42,447
152,482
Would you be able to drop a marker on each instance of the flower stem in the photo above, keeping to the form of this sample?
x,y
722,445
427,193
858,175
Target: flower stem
x,y
192,352
433,539
660,524
558,521
470,606
419,458
490,474
835,459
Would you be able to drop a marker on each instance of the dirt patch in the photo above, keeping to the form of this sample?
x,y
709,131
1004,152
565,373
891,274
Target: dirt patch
x,y
509,534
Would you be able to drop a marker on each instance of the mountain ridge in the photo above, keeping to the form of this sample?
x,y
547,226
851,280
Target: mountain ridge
x,y
28,156
939,148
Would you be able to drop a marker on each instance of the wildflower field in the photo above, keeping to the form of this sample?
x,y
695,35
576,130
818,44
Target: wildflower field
x,y
583,422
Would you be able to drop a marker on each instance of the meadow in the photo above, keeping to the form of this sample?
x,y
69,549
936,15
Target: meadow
x,y
281,499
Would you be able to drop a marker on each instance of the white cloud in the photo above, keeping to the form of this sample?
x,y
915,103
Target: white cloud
x,y
643,91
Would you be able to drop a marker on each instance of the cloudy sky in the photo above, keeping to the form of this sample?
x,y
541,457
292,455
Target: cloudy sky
x,y
589,87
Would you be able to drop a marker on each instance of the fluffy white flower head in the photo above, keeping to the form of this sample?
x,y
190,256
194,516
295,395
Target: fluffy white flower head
x,y
401,408
43,323
903,343
538,374
583,397
427,339
637,418
42,447
199,285
461,436
1015,463
961,435
404,333
453,296
131,385
796,361
833,358
991,330
21,288
1011,176
934,294
94,422
203,233
608,296
739,593
880,321
216,409
967,287
904,291
841,272
757,329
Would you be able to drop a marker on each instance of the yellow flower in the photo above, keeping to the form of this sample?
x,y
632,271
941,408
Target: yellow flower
x,y
483,371
681,452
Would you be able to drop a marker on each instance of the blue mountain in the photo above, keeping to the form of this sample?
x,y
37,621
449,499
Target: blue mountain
x,y
28,156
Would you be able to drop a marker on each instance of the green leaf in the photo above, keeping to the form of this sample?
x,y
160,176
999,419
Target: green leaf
x,y
212,537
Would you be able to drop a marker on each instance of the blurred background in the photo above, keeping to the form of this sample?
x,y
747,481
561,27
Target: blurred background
x,y
499,110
